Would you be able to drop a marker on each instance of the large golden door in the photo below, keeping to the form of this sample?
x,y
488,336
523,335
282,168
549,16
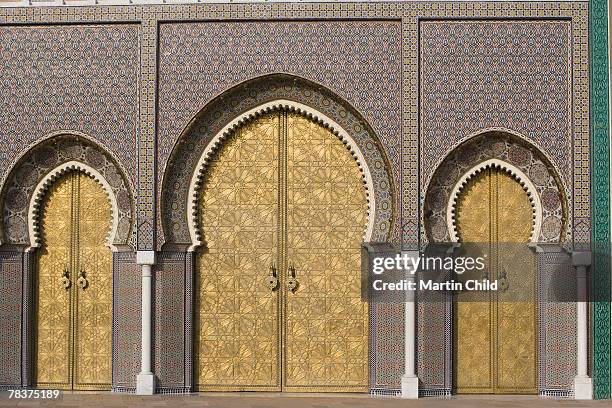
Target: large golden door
x,y
283,212
74,287
495,332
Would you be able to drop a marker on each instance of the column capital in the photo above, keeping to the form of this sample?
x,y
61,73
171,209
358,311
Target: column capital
x,y
145,257
582,258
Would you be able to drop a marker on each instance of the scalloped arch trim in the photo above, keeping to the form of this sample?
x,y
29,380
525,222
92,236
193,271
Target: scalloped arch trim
x,y
230,128
47,181
517,174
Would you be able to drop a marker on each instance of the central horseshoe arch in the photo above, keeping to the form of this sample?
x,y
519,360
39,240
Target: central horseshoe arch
x,y
275,106
281,191
177,228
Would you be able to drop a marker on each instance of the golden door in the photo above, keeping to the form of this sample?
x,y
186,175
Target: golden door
x,y
495,332
283,212
74,287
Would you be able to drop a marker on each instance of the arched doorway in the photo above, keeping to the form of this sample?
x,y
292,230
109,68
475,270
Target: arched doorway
x,y
496,332
282,212
73,292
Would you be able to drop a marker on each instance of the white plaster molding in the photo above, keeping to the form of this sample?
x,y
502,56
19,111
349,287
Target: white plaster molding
x,y
39,193
230,128
517,174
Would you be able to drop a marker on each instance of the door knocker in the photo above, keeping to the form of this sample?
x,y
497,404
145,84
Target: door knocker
x,y
272,278
66,278
503,281
82,280
292,283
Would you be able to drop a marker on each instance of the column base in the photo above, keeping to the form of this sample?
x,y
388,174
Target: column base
x,y
145,384
410,387
583,388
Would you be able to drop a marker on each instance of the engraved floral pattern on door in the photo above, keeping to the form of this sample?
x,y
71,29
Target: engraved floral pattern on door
x,y
326,320
94,301
237,336
53,319
281,198
495,334
74,320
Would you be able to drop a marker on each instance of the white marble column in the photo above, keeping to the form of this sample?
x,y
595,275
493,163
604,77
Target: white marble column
x,y
410,381
145,381
583,387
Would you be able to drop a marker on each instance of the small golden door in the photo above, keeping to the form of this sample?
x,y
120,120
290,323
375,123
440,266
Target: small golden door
x,y
73,317
495,332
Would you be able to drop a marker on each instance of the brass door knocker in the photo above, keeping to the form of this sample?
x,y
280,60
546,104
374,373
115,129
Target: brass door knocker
x,y
273,278
66,278
82,280
292,283
503,281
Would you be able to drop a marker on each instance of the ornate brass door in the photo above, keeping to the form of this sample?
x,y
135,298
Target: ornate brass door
x,y
74,287
237,334
326,321
495,332
283,212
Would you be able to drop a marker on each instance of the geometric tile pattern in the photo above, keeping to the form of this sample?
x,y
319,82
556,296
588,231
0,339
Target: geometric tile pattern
x,y
557,337
199,61
514,151
10,317
410,13
600,136
126,319
73,78
169,316
577,89
250,95
481,74
369,48
147,127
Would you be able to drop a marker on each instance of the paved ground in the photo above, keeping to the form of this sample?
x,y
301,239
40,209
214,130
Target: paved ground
x,y
269,400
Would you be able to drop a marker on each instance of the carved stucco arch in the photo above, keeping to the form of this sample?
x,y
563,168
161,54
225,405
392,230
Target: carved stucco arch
x,y
41,162
516,174
239,104
37,200
230,128
527,164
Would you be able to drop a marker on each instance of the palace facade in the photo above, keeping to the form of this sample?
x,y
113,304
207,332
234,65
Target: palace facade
x,y
186,188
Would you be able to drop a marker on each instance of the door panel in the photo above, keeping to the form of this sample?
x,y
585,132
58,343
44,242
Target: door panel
x,y
237,336
516,308
496,340
53,319
93,329
74,323
474,312
326,321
